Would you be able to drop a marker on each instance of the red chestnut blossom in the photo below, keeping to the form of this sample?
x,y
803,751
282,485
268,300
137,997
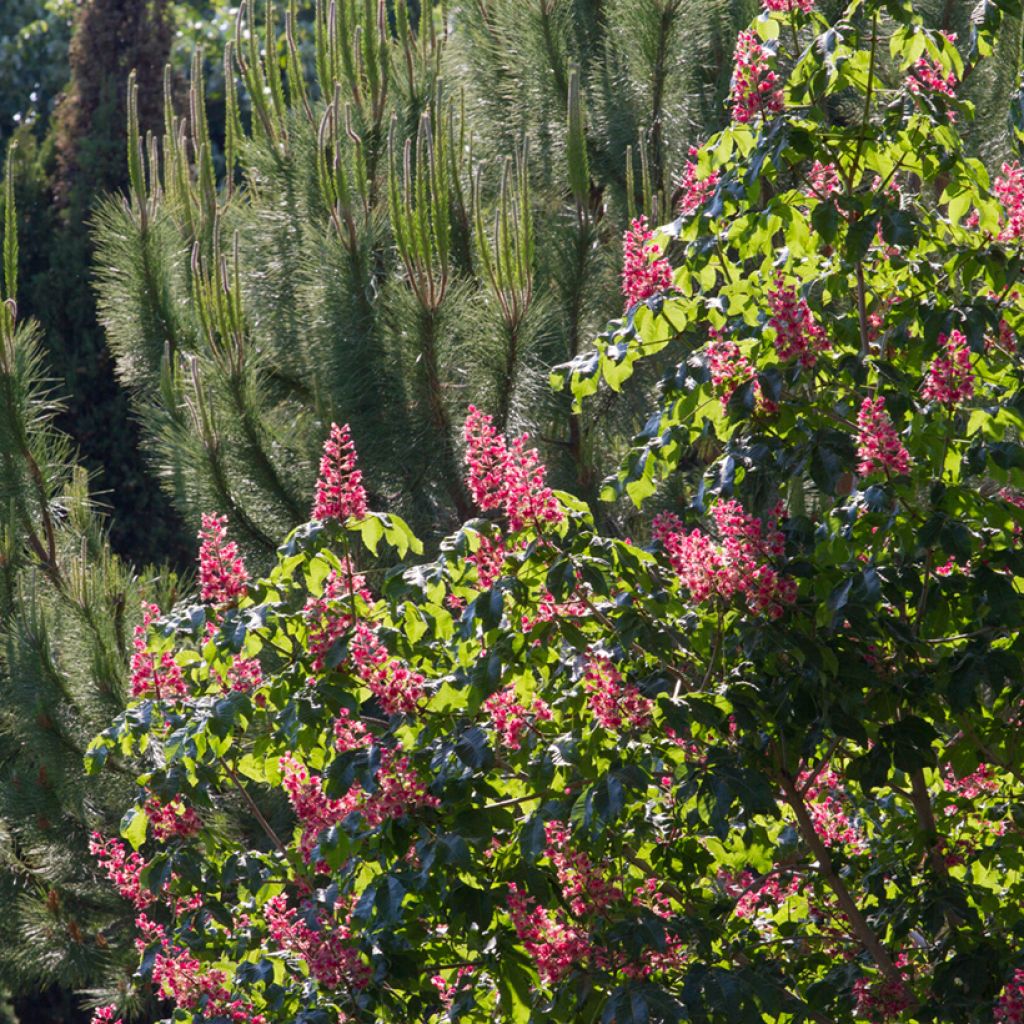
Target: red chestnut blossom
x,y
786,6
400,791
396,686
172,820
488,558
615,705
1009,1008
124,869
879,1000
328,950
927,76
447,991
585,886
695,191
729,368
330,615
509,716
222,574
507,478
244,675
105,1015
555,946
828,805
950,377
755,88
339,488
153,675
350,733
738,565
642,277
1009,189
878,444
823,180
797,336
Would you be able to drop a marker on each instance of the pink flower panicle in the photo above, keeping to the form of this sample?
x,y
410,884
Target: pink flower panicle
x,y
179,976
330,615
738,565
339,489
880,1000
1009,190
829,806
329,950
585,886
507,478
755,88
950,378
615,705
105,1015
124,869
153,675
787,6
878,444
797,336
398,689
555,946
489,558
172,820
510,717
399,792
823,181
729,368
222,573
694,190
349,733
448,990
1009,1008
642,276
244,675
927,76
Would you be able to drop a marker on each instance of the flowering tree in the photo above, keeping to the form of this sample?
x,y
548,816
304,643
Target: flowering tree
x,y
763,764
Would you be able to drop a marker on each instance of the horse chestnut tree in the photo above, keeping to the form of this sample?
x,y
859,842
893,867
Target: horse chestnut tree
x,y
763,761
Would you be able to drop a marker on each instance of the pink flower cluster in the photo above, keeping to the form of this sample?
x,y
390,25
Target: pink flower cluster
x,y
244,674
642,276
124,869
105,1015
447,991
555,946
786,6
694,190
585,886
878,444
349,733
397,687
950,378
179,976
153,675
797,336
823,181
399,792
755,893
339,488
222,573
172,820
1009,1008
737,566
829,807
879,1000
510,716
488,558
507,478
328,950
615,705
729,368
755,88
1009,189
927,76
330,615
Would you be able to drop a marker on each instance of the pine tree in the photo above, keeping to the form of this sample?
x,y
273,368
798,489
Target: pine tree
x,y
67,607
432,218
